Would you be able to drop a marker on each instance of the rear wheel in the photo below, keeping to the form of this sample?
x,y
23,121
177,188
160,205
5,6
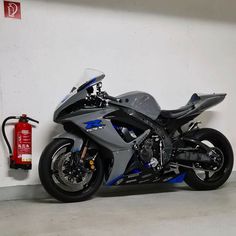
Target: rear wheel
x,y
209,180
65,176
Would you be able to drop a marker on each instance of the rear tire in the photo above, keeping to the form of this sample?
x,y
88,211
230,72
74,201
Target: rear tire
x,y
219,178
45,174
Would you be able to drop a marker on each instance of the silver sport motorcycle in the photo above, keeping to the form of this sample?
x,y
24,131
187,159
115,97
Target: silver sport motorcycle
x,y
127,140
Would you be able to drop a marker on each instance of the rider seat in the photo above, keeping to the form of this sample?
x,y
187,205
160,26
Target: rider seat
x,y
174,114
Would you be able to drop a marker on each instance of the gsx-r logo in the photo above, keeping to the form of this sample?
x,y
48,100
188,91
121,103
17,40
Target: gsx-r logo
x,y
94,125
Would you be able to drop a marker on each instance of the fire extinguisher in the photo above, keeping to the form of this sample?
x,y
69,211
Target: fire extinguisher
x,y
21,156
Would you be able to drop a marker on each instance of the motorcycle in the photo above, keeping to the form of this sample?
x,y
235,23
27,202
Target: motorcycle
x,y
128,140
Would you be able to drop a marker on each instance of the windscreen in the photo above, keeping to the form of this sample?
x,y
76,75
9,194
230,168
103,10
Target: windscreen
x,y
89,78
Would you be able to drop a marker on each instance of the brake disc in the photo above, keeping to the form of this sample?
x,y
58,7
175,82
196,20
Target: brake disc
x,y
69,185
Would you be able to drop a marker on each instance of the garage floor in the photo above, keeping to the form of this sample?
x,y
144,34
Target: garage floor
x,y
138,210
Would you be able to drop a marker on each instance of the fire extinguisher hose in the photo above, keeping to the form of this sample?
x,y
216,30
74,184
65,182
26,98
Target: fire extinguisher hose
x,y
4,132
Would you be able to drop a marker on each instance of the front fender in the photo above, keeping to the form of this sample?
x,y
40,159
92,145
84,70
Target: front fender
x,y
77,141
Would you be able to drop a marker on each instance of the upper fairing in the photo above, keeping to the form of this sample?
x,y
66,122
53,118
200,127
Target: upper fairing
x,y
89,78
141,102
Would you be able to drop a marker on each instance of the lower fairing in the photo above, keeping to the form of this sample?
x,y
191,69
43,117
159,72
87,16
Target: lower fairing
x,y
143,177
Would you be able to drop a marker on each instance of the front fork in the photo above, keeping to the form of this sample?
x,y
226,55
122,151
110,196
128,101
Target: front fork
x,y
79,150
82,158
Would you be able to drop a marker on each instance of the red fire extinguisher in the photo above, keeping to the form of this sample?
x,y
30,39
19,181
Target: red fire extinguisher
x,y
22,142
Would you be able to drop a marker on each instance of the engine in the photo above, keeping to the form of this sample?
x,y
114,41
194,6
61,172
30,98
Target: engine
x,y
146,153
150,152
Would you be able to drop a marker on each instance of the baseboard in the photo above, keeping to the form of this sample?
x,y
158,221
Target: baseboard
x,y
31,192
22,192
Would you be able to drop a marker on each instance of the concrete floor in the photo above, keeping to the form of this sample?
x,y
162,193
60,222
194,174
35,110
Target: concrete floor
x,y
138,210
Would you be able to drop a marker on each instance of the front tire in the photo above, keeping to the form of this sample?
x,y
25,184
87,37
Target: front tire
x,y
218,140
60,191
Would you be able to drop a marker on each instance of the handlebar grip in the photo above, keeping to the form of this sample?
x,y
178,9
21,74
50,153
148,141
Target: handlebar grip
x,y
114,99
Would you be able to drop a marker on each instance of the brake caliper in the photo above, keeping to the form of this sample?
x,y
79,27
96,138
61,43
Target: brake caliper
x,y
91,165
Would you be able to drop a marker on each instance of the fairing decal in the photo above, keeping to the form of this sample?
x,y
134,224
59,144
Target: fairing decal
x,y
94,124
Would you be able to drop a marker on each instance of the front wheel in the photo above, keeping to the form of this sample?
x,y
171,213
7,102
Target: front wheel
x,y
207,180
65,177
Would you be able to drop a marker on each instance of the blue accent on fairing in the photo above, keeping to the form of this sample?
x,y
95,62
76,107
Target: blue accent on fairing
x,y
116,126
135,171
178,179
93,124
87,84
147,165
90,82
113,181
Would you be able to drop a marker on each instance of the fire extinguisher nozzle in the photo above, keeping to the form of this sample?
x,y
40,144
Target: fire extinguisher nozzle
x,y
33,120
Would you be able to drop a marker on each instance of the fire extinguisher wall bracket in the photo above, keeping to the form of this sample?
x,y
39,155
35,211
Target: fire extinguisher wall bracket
x,y
20,156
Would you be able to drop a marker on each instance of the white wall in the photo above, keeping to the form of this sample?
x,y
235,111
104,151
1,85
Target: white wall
x,y
168,48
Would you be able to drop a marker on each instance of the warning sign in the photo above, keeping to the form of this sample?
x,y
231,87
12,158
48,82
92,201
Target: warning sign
x,y
12,9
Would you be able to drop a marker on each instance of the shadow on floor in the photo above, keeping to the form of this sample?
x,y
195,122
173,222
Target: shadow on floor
x,y
118,191
122,191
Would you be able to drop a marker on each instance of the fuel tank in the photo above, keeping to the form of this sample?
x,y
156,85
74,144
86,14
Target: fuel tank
x,y
141,102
